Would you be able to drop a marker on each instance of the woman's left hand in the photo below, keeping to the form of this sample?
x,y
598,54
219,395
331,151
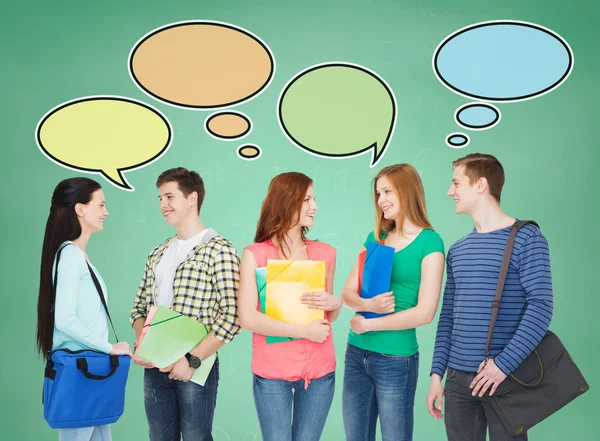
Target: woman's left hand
x,y
321,300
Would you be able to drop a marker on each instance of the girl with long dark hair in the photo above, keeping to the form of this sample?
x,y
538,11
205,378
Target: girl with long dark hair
x,y
72,316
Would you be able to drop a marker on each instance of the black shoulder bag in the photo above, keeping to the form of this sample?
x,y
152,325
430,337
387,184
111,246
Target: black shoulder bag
x,y
546,381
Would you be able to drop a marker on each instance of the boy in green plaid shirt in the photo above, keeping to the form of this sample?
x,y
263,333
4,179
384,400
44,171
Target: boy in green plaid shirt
x,y
196,273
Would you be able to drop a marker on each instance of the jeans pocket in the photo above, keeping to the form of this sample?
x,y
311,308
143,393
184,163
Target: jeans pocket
x,y
399,363
450,373
258,379
329,377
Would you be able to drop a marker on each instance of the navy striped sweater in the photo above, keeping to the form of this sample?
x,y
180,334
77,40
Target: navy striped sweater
x,y
473,266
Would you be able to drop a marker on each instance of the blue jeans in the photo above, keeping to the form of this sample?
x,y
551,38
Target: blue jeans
x,y
379,385
176,409
288,412
96,433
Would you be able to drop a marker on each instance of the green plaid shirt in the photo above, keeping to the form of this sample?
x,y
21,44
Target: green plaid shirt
x,y
205,285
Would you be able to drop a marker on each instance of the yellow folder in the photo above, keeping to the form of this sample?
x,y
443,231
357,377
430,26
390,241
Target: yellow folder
x,y
287,280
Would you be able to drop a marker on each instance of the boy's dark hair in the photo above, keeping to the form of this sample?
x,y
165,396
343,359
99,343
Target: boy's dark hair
x,y
483,165
188,181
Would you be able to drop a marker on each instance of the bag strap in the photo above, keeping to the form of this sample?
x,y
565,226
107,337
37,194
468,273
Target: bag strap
x,y
502,278
96,284
102,299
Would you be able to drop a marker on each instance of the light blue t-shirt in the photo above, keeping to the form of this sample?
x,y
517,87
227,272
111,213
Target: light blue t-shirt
x,y
80,321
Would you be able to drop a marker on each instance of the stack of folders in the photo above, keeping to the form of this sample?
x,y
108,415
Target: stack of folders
x,y
167,336
281,284
375,272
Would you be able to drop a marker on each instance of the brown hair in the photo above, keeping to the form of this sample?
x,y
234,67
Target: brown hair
x,y
280,208
187,181
408,186
483,165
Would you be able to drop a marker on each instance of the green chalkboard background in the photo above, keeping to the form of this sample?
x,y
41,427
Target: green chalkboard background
x,y
53,52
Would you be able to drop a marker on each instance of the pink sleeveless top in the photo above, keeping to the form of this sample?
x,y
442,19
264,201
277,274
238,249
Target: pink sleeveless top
x,y
297,359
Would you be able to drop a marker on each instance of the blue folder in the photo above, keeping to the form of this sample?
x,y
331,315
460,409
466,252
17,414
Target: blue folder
x,y
377,273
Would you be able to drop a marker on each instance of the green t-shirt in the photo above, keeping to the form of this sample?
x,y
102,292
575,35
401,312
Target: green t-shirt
x,y
405,282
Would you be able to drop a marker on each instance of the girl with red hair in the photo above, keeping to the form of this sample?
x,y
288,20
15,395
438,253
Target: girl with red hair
x,y
294,380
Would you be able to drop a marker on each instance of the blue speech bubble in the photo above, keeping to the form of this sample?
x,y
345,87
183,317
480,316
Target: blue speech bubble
x,y
503,61
457,140
477,116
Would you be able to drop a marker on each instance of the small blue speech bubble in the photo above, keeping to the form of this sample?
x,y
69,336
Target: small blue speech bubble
x,y
457,140
477,116
503,61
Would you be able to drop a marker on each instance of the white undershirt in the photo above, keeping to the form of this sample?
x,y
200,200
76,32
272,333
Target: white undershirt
x,y
166,268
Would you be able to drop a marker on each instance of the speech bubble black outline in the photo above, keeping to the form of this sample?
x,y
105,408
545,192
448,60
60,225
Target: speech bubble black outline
x,y
200,22
477,104
504,22
376,157
458,146
227,112
249,158
120,171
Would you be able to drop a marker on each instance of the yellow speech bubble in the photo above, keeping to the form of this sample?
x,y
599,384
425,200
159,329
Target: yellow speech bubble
x,y
201,64
104,134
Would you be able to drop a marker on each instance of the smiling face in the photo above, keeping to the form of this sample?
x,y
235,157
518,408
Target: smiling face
x,y
91,215
306,217
463,191
174,205
387,199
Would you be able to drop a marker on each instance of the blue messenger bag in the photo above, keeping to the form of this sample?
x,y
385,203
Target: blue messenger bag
x,y
84,388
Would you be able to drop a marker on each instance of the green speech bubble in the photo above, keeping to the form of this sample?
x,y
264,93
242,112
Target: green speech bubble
x,y
338,110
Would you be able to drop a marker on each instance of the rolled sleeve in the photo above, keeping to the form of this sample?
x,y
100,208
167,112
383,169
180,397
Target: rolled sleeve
x,y
225,280
140,307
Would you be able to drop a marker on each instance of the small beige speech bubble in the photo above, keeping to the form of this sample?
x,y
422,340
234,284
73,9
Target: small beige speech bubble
x,y
249,152
228,125
201,64
104,134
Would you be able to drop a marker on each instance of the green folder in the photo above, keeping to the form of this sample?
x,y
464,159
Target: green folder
x,y
168,336
261,283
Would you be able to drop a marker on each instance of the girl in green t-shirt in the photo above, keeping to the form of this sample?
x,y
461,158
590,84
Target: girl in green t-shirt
x,y
382,359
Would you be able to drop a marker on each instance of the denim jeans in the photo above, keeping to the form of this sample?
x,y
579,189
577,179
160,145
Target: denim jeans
x,y
379,385
288,412
467,417
97,433
178,410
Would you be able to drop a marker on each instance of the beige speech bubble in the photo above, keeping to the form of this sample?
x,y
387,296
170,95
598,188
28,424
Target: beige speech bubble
x,y
104,134
228,125
249,152
201,64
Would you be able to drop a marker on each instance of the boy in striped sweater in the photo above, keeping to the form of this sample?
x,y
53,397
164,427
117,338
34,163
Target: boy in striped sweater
x,y
473,266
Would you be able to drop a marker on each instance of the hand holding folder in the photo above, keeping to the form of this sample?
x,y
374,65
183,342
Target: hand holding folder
x,y
375,273
167,336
